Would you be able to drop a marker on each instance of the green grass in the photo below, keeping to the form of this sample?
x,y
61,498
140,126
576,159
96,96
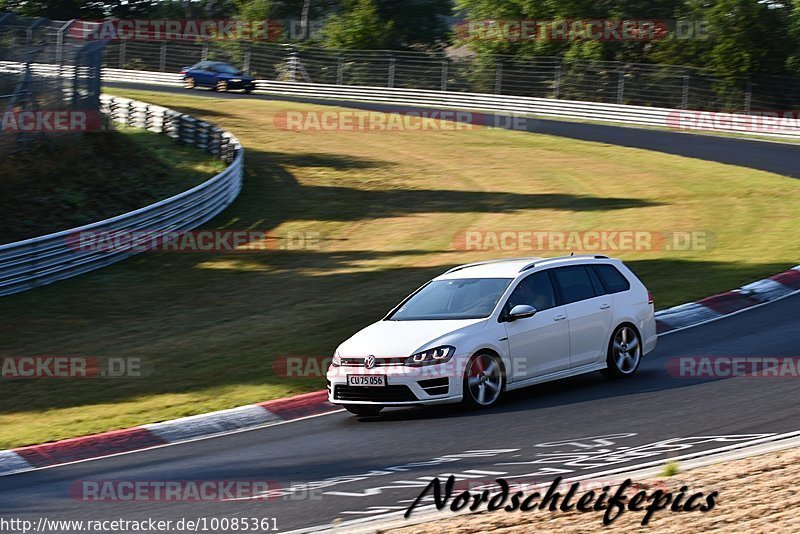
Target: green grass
x,y
670,469
386,207
76,182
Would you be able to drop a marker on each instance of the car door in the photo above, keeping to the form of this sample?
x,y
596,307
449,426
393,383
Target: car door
x,y
538,345
212,75
589,311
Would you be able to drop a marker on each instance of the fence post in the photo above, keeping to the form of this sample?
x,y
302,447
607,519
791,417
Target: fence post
x,y
391,73
122,55
685,96
293,66
204,52
557,82
339,71
60,44
162,63
621,86
444,75
748,96
247,52
498,76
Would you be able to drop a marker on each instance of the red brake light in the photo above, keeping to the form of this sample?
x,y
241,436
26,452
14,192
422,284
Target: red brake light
x,y
649,298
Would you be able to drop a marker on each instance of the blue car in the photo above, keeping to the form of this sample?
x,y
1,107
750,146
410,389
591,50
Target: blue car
x,y
218,76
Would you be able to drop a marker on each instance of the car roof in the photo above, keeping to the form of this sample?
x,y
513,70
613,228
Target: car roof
x,y
511,267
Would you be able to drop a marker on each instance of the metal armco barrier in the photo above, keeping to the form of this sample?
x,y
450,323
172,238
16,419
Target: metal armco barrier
x,y
42,260
677,119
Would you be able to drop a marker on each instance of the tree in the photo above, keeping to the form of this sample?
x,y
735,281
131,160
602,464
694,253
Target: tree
x,y
358,26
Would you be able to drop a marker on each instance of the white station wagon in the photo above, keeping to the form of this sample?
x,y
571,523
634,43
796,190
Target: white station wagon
x,y
484,328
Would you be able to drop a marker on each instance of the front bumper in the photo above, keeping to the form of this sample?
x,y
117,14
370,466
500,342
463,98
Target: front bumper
x,y
405,386
248,85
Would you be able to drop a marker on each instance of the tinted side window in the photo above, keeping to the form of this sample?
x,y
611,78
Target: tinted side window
x,y
614,281
535,290
574,283
599,289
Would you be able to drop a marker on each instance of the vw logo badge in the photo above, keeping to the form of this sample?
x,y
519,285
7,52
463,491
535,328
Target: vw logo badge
x,y
369,362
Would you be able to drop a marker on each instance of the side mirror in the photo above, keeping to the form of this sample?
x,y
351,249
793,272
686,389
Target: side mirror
x,y
521,311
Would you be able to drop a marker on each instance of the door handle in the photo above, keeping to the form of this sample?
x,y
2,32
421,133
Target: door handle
x,y
559,317
605,306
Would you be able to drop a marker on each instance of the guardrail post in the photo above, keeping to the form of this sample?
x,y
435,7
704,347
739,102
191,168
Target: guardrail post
x,y
162,64
498,77
621,86
131,111
685,96
444,75
204,52
339,71
391,73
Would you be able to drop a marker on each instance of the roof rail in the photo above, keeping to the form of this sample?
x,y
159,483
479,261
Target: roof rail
x,y
579,256
487,262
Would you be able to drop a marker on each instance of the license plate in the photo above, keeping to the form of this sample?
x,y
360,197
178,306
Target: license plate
x,y
366,380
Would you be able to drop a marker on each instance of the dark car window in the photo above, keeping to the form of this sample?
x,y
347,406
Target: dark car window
x,y
599,289
458,298
574,283
535,290
226,69
612,279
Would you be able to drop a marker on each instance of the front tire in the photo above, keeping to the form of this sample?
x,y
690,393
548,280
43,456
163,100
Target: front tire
x,y
484,380
624,352
222,86
364,410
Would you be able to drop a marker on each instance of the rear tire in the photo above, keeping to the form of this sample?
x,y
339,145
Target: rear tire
x,y
484,381
189,83
624,352
363,409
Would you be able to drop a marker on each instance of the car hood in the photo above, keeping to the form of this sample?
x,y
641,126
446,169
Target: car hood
x,y
393,339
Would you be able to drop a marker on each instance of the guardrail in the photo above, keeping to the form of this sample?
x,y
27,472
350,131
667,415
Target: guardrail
x,y
677,119
42,260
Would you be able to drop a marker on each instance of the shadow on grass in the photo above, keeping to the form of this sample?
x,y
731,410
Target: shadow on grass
x,y
271,194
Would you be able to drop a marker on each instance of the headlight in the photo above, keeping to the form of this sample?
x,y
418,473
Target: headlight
x,y
431,356
336,361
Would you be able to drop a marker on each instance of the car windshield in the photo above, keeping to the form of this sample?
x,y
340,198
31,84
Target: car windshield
x,y
226,69
460,298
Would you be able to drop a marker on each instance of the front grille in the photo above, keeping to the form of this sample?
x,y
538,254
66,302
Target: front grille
x,y
379,362
396,393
